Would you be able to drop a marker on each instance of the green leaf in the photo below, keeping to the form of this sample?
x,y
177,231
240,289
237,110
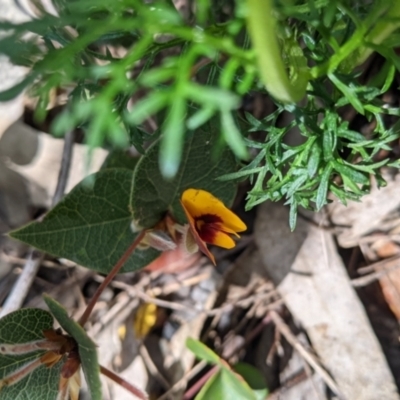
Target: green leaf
x,y
13,92
148,106
351,135
172,140
202,352
349,92
212,389
297,182
120,159
293,215
349,183
91,225
328,144
323,187
153,195
24,326
232,135
226,385
212,97
371,167
254,378
86,347
200,117
238,387
351,173
314,160
262,28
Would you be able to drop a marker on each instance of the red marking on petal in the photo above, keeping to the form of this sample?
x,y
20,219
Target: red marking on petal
x,y
200,242
207,227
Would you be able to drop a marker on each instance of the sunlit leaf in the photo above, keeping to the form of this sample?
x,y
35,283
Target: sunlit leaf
x,y
202,352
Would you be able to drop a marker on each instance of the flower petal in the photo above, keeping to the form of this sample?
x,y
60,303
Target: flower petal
x,y
221,239
200,202
202,245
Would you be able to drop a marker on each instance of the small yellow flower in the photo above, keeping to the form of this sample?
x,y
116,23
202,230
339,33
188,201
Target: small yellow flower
x,y
210,221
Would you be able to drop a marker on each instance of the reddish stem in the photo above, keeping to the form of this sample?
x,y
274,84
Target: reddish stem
x,y
122,382
89,308
190,393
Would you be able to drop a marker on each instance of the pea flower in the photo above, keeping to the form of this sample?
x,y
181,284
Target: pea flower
x,y
209,222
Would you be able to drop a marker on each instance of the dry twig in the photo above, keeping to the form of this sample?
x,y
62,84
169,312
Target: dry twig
x,y
381,268
309,358
20,290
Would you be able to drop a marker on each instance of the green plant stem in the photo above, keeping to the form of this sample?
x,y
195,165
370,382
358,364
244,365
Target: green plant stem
x,y
122,382
262,27
345,51
381,31
89,308
377,35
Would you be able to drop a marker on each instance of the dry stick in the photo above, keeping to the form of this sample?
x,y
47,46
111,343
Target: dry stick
x,y
285,330
122,382
109,278
384,264
385,269
20,290
183,381
153,368
65,167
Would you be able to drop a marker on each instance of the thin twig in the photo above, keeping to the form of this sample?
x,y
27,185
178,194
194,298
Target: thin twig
x,y
20,290
63,174
367,279
383,264
21,287
122,382
153,368
117,313
109,278
292,381
183,381
309,358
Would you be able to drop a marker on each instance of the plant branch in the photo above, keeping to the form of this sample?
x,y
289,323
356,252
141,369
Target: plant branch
x,y
381,31
122,382
83,319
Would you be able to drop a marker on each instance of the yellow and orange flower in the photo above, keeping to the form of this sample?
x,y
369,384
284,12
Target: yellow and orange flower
x,y
210,221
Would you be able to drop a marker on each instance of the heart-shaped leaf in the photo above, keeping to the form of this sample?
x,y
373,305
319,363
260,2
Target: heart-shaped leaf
x,y
120,159
91,226
153,195
24,326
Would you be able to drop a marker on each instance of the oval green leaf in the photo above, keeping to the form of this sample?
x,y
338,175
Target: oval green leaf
x,y
202,352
